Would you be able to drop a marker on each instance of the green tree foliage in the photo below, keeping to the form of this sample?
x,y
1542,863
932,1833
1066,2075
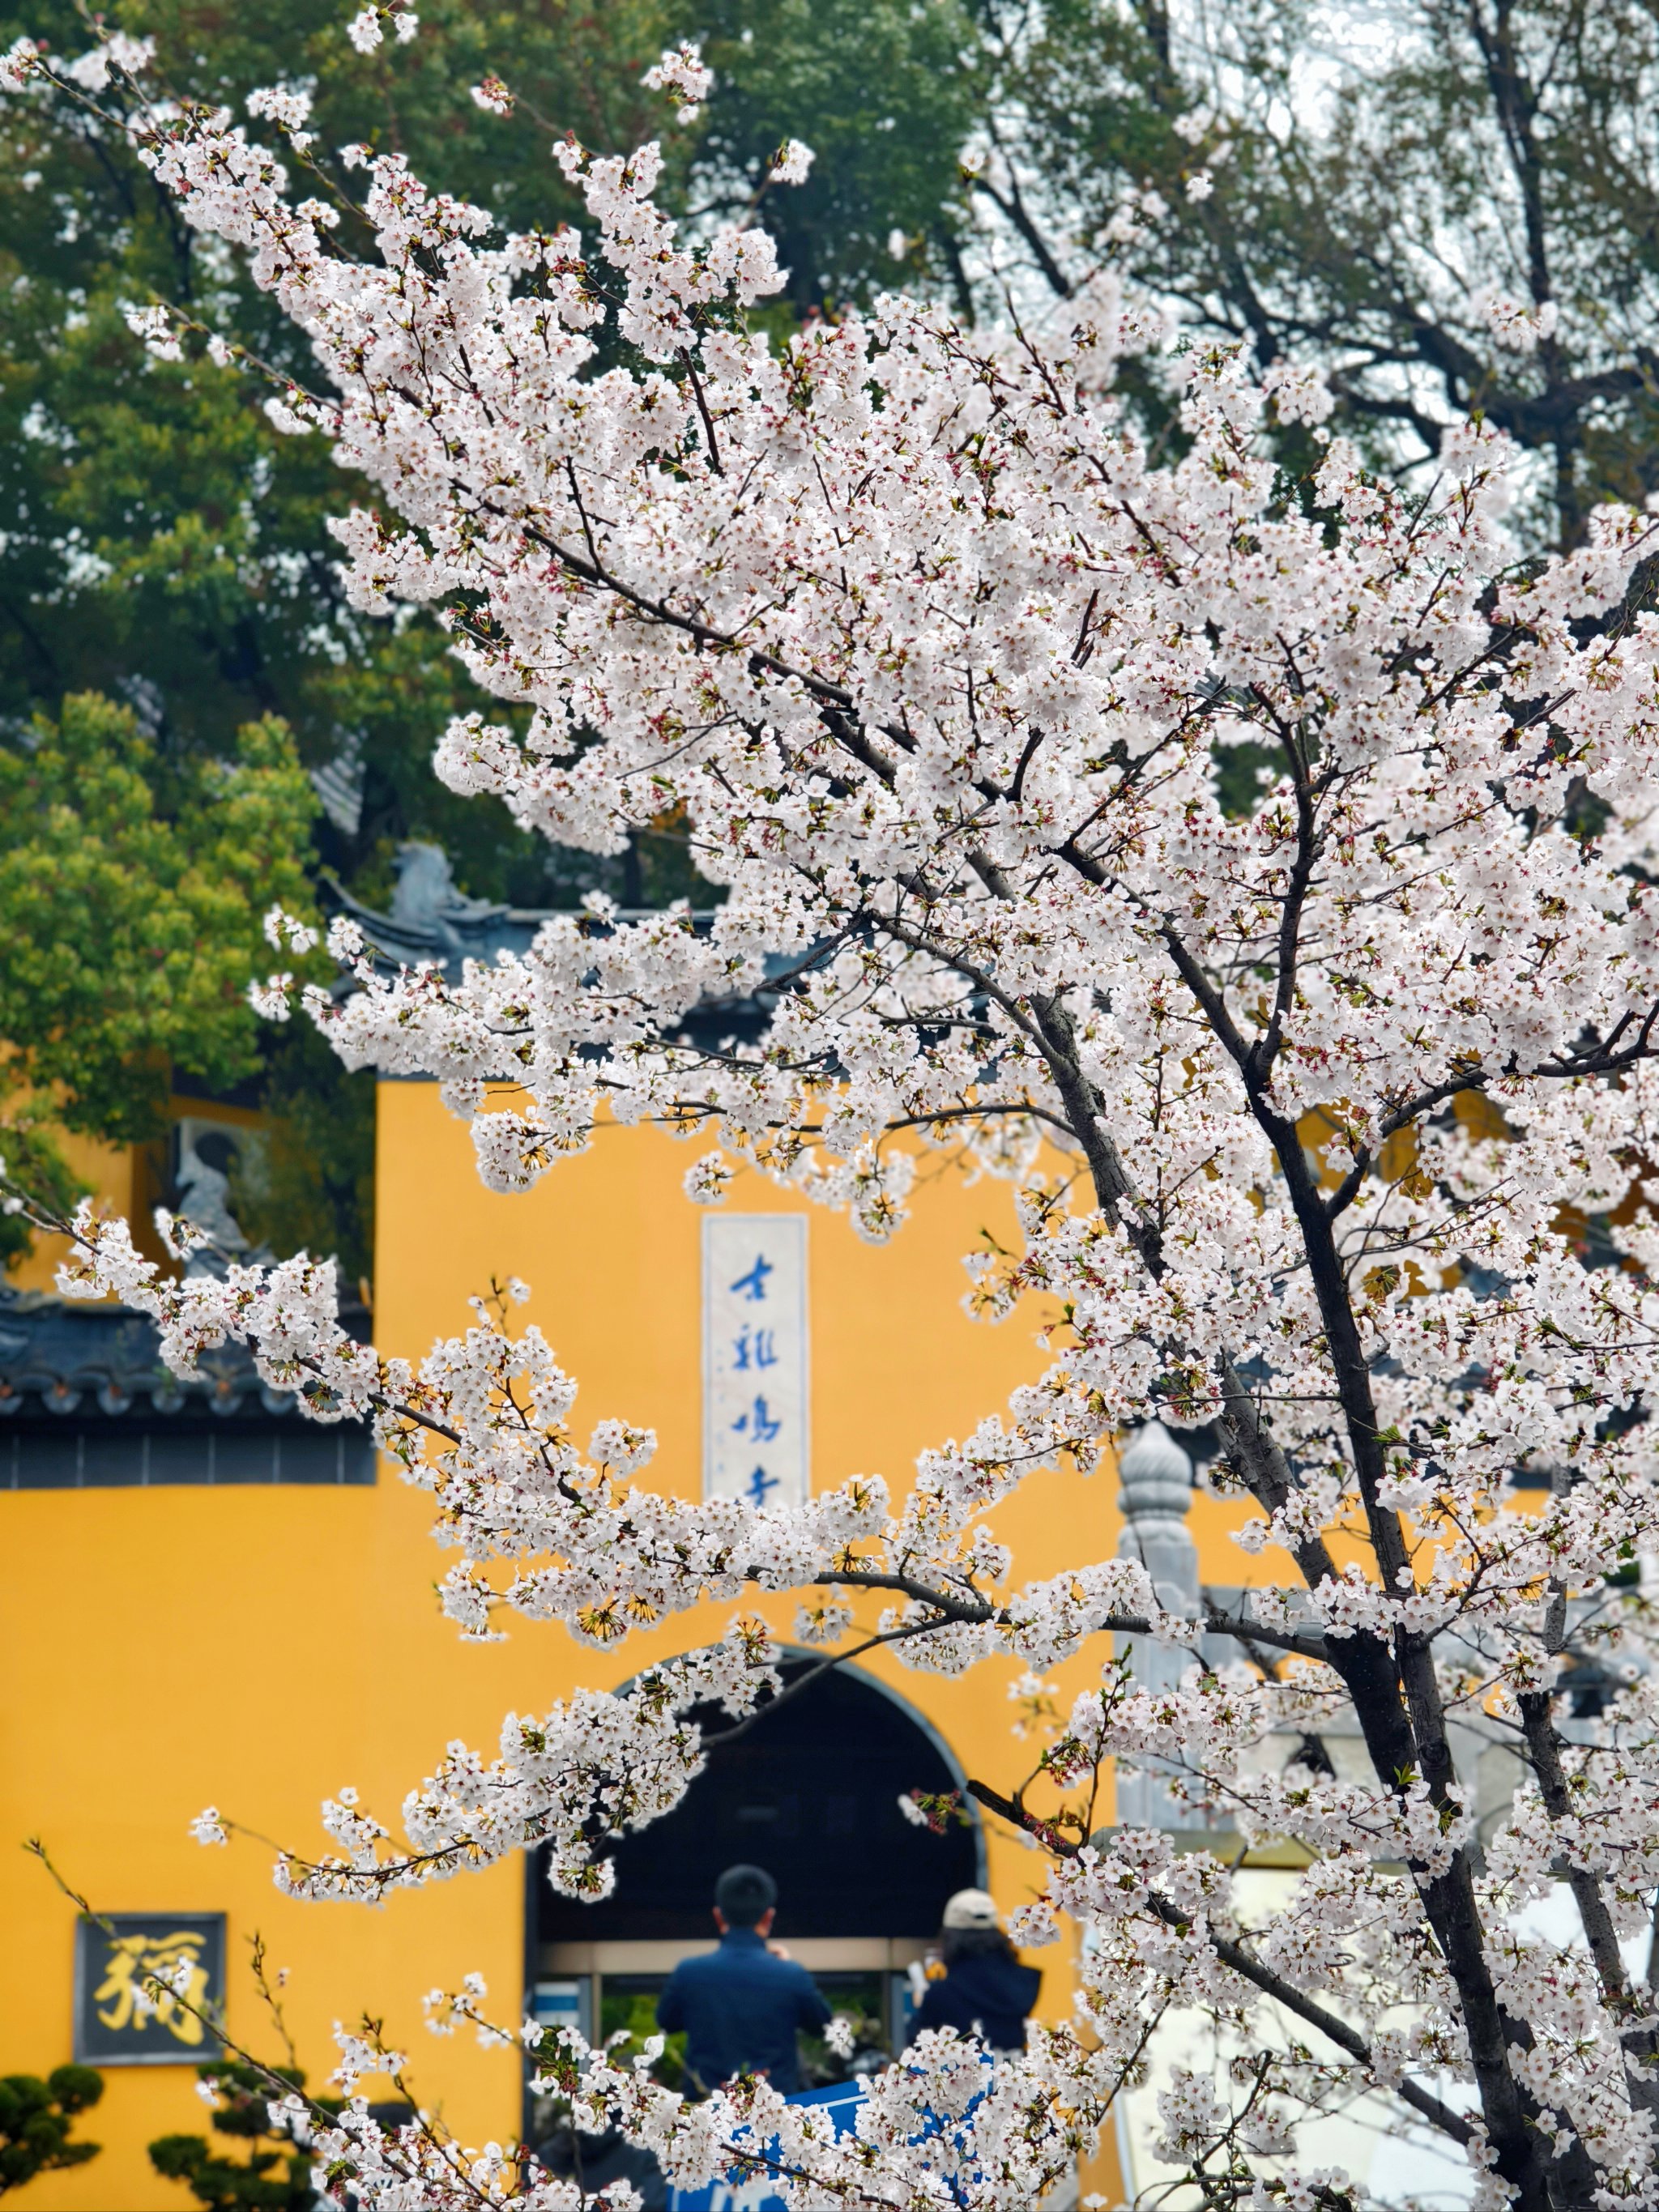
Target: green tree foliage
x,y
1350,188
132,886
162,544
273,2176
887,97
36,2118
133,889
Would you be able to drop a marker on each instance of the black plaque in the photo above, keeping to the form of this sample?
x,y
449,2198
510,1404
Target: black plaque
x,y
121,2018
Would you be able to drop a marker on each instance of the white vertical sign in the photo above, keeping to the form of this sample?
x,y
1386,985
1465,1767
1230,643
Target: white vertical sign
x,y
755,1442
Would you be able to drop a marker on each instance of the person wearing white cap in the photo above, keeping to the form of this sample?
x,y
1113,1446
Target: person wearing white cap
x,y
984,1990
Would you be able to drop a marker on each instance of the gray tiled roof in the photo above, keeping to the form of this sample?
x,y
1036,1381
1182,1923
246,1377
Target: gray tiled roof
x,y
430,919
86,1402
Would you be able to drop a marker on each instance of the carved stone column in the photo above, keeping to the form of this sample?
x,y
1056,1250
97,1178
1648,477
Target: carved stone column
x,y
1155,1498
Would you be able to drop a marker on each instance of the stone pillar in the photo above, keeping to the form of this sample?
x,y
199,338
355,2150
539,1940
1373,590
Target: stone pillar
x,y
1156,1497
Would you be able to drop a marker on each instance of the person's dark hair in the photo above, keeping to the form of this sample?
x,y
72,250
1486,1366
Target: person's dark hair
x,y
217,1150
956,1943
743,1894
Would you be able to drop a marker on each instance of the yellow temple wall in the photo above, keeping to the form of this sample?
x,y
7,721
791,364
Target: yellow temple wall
x,y
256,1647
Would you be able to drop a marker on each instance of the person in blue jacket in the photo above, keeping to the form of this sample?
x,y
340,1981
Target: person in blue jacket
x,y
742,2004
984,1990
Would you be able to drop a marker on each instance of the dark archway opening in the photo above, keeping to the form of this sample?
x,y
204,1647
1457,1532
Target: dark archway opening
x,y
810,1793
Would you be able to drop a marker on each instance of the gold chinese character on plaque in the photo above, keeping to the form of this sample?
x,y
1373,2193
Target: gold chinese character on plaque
x,y
148,1988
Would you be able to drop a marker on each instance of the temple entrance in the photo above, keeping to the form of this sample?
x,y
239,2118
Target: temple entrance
x,y
811,1794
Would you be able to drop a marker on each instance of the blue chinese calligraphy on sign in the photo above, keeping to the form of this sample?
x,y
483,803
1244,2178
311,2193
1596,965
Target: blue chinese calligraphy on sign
x,y
755,1434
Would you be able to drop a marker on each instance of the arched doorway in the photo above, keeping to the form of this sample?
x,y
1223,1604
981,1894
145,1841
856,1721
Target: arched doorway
x,y
812,1794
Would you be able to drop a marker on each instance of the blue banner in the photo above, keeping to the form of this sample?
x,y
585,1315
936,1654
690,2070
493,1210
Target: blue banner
x,y
756,2192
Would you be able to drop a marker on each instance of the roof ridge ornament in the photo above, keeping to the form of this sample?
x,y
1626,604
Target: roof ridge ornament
x,y
1155,1477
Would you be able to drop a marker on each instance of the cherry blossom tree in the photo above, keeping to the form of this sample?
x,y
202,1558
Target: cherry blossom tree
x,y
1326,1111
